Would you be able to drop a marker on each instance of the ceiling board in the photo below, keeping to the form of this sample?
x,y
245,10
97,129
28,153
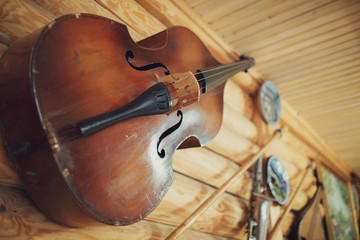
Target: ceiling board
x,y
310,49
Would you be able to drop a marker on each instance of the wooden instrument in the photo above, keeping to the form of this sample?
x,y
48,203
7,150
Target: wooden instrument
x,y
309,224
92,119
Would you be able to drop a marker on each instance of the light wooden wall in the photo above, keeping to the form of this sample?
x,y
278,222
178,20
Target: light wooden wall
x,y
197,171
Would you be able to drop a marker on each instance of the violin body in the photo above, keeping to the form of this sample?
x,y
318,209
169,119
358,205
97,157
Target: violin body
x,y
309,223
77,67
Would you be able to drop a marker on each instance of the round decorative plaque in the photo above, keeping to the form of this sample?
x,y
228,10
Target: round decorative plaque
x,y
270,104
277,180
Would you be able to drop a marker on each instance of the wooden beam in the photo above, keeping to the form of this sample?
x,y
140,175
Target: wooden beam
x,y
20,219
231,145
135,16
211,168
238,100
309,136
59,8
227,217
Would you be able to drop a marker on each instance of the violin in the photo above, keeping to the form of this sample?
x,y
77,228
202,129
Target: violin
x,y
92,119
309,223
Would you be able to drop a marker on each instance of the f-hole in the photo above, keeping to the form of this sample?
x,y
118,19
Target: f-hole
x,y
129,54
168,132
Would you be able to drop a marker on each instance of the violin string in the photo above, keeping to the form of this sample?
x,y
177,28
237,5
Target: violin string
x,y
231,65
206,86
201,79
198,80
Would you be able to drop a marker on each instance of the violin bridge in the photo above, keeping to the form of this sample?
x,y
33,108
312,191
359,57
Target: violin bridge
x,y
183,87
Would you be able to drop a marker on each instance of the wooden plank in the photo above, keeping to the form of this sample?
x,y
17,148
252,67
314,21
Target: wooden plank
x,y
59,8
247,15
308,135
264,130
322,63
264,55
194,3
322,76
226,217
239,123
280,19
282,150
318,57
211,168
20,219
21,18
238,100
37,13
231,145
298,145
337,91
214,11
134,15
332,83
286,24
326,46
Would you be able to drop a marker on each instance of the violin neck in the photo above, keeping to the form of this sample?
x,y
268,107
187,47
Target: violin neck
x,y
213,77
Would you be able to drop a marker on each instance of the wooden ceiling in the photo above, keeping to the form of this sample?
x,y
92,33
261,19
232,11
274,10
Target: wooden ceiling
x,y
310,49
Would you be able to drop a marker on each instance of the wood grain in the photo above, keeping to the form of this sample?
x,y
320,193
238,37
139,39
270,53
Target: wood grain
x,y
239,123
20,219
232,145
310,137
21,18
227,217
134,15
59,8
238,100
211,168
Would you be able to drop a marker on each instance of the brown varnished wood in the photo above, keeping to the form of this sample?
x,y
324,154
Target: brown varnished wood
x,y
78,70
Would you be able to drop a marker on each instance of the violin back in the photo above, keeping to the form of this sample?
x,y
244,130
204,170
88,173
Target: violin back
x,y
309,224
78,67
